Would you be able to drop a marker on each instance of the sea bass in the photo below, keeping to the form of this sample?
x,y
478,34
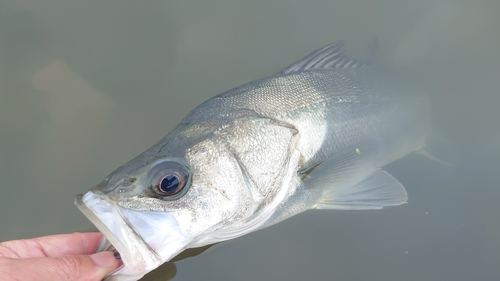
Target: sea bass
x,y
313,136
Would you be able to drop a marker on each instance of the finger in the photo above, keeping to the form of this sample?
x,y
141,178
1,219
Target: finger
x,y
53,245
67,268
78,243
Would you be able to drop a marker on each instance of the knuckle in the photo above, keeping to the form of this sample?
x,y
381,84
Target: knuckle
x,y
69,264
67,267
75,268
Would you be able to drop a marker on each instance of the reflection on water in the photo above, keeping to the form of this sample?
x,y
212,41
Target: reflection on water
x,y
70,102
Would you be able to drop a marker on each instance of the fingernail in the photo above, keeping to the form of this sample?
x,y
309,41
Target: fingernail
x,y
117,255
104,259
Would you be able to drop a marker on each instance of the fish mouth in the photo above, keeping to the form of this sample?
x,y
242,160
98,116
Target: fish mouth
x,y
119,237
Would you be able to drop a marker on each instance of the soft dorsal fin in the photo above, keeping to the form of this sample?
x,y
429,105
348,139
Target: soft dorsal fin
x,y
329,56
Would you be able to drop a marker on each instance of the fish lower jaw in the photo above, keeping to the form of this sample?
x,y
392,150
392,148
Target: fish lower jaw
x,y
137,257
142,239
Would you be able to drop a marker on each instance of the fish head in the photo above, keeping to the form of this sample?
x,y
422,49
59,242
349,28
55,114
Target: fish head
x,y
200,185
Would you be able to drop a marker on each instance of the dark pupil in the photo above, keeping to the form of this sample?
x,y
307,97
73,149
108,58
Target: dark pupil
x,y
169,183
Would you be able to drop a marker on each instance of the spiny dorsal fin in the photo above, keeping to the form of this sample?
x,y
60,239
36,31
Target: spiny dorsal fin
x,y
329,56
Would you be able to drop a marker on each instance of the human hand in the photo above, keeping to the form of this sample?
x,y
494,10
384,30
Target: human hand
x,y
61,257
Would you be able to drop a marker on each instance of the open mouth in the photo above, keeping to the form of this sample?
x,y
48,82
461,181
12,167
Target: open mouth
x,y
119,237
105,245
143,240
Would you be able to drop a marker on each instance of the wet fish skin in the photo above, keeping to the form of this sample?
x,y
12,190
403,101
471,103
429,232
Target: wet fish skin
x,y
313,136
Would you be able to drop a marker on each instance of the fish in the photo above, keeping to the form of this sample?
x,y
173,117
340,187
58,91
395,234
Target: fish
x,y
316,135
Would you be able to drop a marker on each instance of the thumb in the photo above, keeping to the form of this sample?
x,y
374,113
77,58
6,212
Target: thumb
x,y
66,268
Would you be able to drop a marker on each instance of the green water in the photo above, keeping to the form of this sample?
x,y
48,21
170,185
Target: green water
x,y
87,85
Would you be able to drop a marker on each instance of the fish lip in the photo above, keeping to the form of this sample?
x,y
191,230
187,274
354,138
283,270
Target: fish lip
x,y
137,256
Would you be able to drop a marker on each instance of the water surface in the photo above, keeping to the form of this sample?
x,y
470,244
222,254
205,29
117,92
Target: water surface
x,y
86,86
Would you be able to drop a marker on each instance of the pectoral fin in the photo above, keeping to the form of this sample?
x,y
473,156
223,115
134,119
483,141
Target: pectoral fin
x,y
380,189
351,179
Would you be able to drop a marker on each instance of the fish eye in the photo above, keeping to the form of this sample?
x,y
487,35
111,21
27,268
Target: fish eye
x,y
169,185
170,180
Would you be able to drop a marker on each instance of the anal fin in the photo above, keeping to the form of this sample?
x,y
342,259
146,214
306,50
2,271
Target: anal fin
x,y
440,149
434,158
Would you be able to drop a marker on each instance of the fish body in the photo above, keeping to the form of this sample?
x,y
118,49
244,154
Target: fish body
x,y
313,136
